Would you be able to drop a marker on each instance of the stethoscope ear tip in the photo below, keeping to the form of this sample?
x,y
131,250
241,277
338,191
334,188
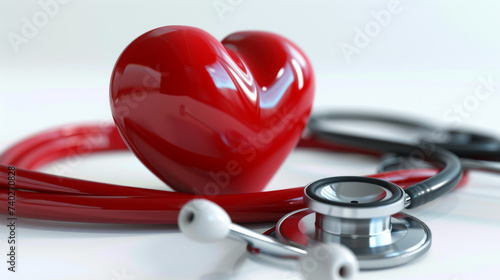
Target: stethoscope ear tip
x,y
330,261
203,221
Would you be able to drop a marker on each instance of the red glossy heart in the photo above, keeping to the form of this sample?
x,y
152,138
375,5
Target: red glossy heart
x,y
211,117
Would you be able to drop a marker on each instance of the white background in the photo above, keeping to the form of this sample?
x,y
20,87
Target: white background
x,y
428,60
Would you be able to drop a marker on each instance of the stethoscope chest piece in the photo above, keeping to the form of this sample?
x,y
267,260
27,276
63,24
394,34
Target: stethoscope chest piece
x,y
361,213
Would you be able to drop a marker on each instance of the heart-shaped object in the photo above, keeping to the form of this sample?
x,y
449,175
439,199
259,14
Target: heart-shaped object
x,y
211,117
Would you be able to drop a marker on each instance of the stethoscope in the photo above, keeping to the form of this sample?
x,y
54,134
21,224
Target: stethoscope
x,y
360,213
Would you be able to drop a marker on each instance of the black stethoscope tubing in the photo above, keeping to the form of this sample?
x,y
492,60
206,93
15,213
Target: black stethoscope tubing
x,y
475,150
464,144
419,193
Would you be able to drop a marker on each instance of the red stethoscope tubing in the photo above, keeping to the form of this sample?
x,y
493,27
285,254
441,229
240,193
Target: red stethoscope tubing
x,y
53,197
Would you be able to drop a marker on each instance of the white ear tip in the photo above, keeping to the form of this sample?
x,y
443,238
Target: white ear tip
x,y
204,221
329,261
